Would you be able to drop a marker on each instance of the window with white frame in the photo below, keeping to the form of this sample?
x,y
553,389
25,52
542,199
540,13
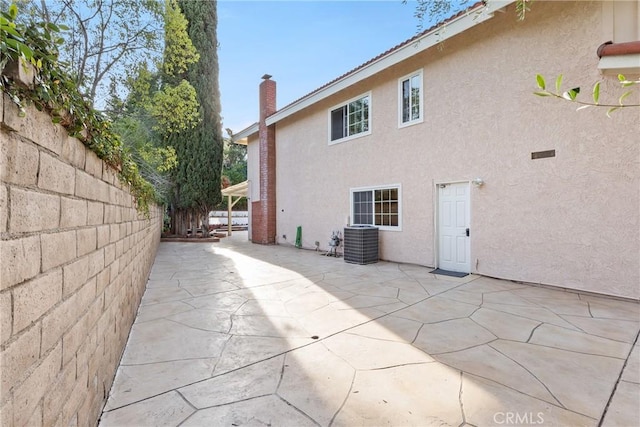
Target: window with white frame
x,y
378,206
350,119
410,99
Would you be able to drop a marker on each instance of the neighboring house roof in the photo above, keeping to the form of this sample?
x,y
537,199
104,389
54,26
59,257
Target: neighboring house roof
x,y
238,190
619,58
462,21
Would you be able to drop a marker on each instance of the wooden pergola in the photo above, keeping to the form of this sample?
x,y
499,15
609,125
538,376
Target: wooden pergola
x,y
238,191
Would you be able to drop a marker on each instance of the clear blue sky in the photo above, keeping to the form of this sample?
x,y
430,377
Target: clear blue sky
x,y
302,44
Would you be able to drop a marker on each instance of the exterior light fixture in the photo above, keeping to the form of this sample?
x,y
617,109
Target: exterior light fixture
x,y
478,182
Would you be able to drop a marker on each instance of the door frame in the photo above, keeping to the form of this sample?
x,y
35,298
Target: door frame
x,y
436,217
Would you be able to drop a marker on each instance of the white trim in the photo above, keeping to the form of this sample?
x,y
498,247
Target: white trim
x,y
345,103
373,188
420,119
245,133
407,50
620,64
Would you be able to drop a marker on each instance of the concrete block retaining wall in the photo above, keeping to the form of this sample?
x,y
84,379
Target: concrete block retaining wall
x,y
74,259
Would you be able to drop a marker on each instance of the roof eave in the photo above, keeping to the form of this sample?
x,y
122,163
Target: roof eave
x,y
628,64
456,26
242,136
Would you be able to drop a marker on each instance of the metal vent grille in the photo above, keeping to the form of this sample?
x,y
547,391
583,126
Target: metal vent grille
x,y
361,245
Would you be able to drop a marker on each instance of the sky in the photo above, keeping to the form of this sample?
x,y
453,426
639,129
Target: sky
x,y
302,44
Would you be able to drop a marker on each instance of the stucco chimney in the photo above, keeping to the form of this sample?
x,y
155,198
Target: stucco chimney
x,y
264,211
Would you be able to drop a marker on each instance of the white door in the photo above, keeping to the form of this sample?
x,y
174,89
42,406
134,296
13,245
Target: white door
x,y
453,227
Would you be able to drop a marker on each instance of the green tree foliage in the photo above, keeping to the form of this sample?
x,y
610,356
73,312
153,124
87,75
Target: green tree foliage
x,y
234,163
179,51
432,12
175,108
28,44
106,37
159,104
199,149
234,169
572,95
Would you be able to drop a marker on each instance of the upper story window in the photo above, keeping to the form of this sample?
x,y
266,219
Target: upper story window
x,y
378,206
351,119
410,99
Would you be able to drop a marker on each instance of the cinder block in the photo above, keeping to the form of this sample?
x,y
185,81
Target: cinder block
x,y
6,410
114,233
56,175
60,319
75,275
35,126
34,298
119,248
74,401
73,212
22,73
73,339
90,411
95,213
109,175
102,280
103,235
36,417
88,346
102,192
27,396
112,289
96,263
20,260
115,268
33,211
14,155
93,164
57,249
6,318
86,185
114,196
18,356
123,230
103,326
109,253
58,393
87,241
4,207
86,295
110,214
73,150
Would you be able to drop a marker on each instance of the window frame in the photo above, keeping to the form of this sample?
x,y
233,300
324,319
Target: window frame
x,y
346,104
372,189
420,74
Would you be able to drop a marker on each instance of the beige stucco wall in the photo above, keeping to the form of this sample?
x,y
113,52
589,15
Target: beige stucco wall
x,y
571,221
75,255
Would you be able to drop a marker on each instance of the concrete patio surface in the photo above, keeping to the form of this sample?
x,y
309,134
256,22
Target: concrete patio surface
x,y
237,334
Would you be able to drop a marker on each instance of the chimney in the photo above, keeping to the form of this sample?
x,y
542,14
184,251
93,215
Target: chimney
x,y
263,219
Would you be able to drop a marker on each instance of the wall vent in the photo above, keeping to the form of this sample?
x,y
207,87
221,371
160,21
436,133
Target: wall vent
x,y
543,154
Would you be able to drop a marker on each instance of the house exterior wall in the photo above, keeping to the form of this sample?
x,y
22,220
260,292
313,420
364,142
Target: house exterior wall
x,y
572,220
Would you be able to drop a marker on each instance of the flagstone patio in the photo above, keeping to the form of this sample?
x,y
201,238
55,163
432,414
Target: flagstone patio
x,y
237,334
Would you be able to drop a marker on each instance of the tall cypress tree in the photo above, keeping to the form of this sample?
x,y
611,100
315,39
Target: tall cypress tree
x,y
200,149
